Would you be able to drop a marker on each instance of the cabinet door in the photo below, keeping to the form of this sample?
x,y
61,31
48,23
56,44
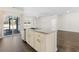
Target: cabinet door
x,y
27,35
31,37
37,42
51,45
40,42
22,35
43,42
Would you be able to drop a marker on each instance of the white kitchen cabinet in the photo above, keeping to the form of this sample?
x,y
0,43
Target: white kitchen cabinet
x,y
30,37
37,41
42,42
22,34
41,38
51,42
27,36
45,42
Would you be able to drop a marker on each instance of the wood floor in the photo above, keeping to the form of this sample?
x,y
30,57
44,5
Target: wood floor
x,y
68,41
14,44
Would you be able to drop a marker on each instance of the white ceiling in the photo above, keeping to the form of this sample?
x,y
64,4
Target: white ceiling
x,y
47,11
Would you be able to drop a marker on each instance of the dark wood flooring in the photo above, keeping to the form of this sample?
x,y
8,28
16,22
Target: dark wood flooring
x,y
68,41
14,44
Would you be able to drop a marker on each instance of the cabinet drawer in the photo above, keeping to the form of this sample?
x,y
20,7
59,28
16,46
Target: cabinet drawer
x,y
37,44
31,38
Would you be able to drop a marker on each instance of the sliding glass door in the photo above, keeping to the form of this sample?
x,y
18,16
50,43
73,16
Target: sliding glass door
x,y
11,26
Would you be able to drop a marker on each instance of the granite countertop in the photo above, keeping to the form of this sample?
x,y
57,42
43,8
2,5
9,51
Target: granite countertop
x,y
42,30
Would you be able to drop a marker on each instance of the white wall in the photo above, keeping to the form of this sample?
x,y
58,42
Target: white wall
x,y
69,22
1,23
48,23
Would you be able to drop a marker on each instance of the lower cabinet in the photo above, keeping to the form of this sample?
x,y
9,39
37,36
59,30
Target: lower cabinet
x,y
38,41
42,42
27,35
22,35
30,37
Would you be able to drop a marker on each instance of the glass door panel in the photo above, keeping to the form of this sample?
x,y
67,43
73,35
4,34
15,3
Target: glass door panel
x,y
11,26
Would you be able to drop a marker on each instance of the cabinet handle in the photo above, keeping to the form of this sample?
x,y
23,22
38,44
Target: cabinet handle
x,y
38,40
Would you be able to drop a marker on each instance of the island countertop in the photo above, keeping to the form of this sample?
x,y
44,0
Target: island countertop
x,y
43,31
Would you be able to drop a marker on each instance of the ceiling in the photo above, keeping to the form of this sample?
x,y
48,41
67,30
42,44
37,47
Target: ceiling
x,y
47,11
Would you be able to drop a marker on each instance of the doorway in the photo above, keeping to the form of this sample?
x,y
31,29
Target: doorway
x,y
11,25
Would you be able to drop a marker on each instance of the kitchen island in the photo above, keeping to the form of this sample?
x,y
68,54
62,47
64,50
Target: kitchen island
x,y
42,41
